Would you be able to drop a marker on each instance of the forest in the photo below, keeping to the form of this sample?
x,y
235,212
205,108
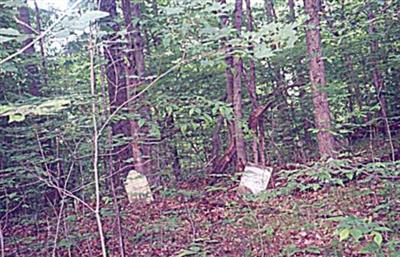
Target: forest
x,y
199,128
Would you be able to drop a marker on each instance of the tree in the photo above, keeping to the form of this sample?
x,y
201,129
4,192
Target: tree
x,y
292,11
117,87
24,20
322,114
258,130
237,94
134,78
270,10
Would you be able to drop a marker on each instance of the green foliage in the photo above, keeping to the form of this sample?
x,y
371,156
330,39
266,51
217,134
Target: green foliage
x,y
358,230
48,140
49,107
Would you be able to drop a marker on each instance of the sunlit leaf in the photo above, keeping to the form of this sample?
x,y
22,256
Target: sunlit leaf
x,y
9,32
344,234
16,118
378,238
261,51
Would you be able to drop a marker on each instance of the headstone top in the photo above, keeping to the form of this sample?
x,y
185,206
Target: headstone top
x,y
137,187
255,178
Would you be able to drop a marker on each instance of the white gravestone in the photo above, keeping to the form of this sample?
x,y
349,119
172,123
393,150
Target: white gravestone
x,y
255,179
137,187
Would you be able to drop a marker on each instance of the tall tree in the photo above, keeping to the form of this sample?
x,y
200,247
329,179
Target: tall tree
x,y
221,163
322,114
144,110
42,46
117,87
237,94
24,20
259,140
134,69
117,94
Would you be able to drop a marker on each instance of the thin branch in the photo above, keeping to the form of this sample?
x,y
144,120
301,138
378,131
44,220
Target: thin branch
x,y
96,150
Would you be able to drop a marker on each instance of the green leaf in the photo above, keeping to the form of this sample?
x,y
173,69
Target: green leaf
x,y
5,109
315,187
184,128
12,195
344,234
13,3
17,117
370,248
173,10
262,51
91,16
356,234
214,7
377,238
185,253
9,32
382,229
62,33
141,122
313,249
88,17
169,109
191,112
269,231
4,39
350,175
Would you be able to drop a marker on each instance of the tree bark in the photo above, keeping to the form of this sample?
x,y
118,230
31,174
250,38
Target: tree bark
x,y
221,163
292,12
132,85
42,47
216,140
31,68
144,110
270,11
237,95
322,114
259,140
117,87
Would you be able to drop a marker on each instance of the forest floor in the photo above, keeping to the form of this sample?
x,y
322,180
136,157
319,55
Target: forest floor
x,y
355,217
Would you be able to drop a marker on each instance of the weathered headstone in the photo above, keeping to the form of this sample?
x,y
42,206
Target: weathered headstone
x,y
255,179
137,187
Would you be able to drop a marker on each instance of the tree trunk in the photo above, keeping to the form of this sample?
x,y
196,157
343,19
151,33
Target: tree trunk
x,y
259,141
216,140
237,95
117,87
31,68
270,11
42,47
322,114
221,163
140,72
132,84
292,13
